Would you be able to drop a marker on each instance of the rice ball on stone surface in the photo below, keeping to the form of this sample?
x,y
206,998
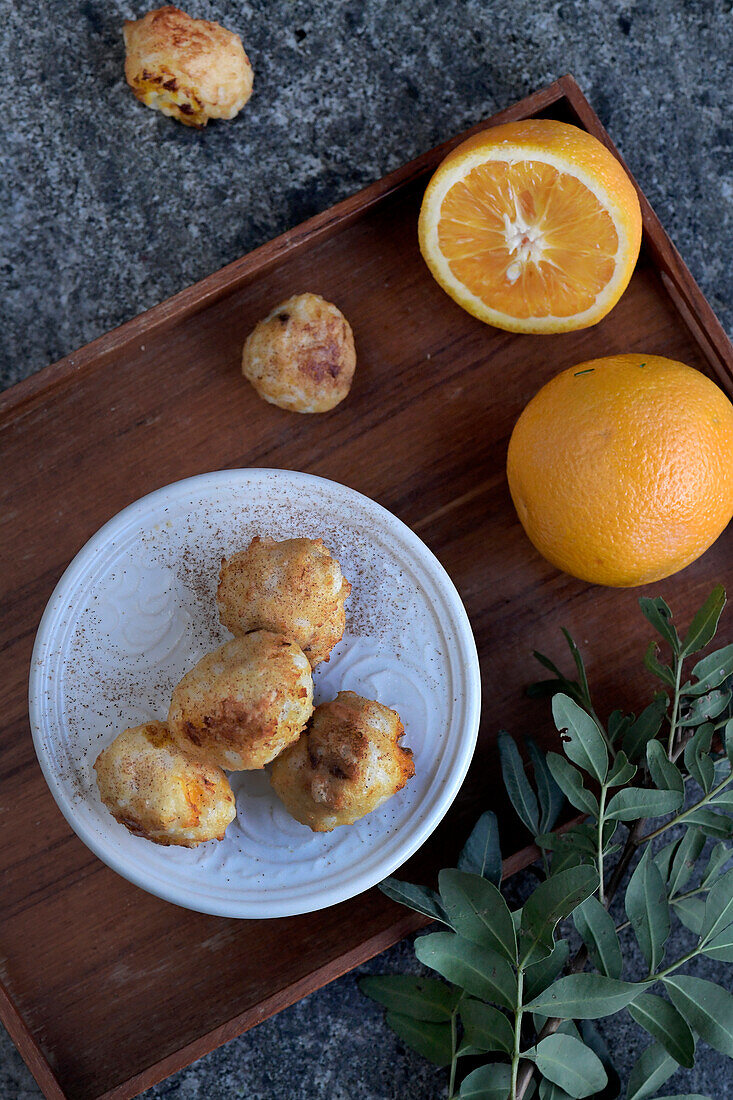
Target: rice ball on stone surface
x,y
346,764
189,69
302,356
158,791
244,703
294,587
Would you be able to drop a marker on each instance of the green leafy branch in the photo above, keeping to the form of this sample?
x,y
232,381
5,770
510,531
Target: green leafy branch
x,y
512,994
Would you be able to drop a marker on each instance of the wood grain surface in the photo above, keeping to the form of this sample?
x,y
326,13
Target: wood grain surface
x,y
107,989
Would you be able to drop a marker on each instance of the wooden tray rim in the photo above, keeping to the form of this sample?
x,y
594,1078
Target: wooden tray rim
x,y
689,300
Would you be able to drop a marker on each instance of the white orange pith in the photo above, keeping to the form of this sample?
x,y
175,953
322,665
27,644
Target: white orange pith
x,y
532,226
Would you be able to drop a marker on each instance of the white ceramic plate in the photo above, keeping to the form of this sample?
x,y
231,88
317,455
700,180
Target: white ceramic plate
x,y
136,609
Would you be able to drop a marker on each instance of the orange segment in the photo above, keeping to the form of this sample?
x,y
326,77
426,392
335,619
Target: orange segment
x,y
532,227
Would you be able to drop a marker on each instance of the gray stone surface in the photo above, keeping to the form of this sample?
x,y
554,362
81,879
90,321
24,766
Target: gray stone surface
x,y
108,207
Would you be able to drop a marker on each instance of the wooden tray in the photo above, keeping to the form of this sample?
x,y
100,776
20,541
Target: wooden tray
x,y
106,989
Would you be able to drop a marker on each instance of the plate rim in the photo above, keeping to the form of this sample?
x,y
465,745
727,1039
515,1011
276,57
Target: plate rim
x,y
182,896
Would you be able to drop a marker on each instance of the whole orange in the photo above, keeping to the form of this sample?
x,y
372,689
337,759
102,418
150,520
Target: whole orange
x,y
621,469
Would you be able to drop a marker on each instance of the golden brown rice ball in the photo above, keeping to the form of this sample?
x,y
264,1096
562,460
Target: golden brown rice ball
x,y
159,792
187,68
244,703
301,357
292,587
346,764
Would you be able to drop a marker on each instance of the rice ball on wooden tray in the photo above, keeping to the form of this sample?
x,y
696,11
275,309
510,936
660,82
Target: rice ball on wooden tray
x,y
348,762
302,356
294,587
158,791
243,703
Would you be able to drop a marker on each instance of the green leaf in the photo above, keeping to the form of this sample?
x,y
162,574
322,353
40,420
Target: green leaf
x,y
491,1082
622,771
707,1008
663,858
665,1024
485,1028
691,913
697,761
432,1041
583,743
705,623
422,998
583,836
648,909
719,856
569,1063
548,664
704,707
579,664
711,823
522,797
635,802
665,774
597,929
718,907
592,1038
660,616
723,801
539,975
481,972
721,947
652,662
686,856
567,855
722,769
618,723
550,796
554,899
478,912
570,780
728,739
548,1091
585,997
481,853
711,671
651,1069
645,727
419,898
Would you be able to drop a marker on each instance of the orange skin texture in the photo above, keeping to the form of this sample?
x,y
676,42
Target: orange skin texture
x,y
529,141
621,469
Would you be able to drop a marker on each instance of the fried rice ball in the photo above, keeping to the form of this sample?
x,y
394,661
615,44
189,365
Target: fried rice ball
x,y
244,703
187,68
159,792
292,587
302,356
346,764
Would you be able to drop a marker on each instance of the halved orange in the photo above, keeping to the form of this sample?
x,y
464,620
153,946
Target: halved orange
x,y
532,226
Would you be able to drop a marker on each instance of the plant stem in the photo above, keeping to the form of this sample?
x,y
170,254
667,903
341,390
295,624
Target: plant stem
x,y
672,901
601,812
675,706
517,1031
524,1077
674,966
690,810
627,854
453,1059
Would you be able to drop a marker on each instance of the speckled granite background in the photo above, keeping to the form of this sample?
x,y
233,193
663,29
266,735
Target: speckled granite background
x,y
108,207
